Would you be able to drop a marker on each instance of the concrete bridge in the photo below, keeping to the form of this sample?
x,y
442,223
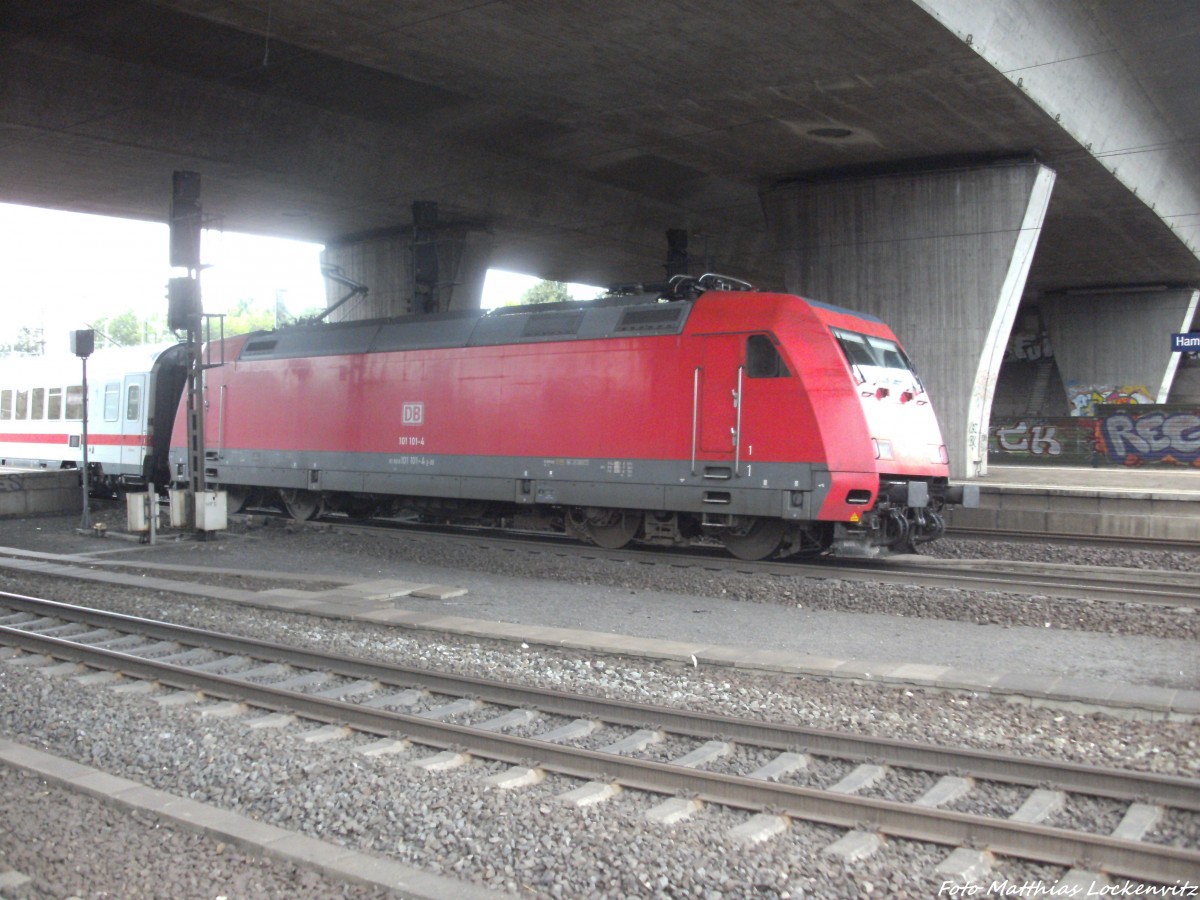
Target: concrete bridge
x,y
962,168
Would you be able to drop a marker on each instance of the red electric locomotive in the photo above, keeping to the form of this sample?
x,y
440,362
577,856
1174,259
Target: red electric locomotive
x,y
775,424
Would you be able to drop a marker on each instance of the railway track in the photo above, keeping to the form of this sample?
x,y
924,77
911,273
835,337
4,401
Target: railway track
x,y
1158,587
1086,540
744,764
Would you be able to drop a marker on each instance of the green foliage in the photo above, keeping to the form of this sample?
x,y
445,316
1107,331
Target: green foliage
x,y
546,292
242,318
29,341
245,316
128,329
125,330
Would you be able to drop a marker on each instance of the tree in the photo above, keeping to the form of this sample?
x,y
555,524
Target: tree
x,y
124,330
546,292
243,318
128,329
249,314
29,341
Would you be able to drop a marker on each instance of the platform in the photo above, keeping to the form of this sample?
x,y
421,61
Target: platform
x,y
39,492
1150,504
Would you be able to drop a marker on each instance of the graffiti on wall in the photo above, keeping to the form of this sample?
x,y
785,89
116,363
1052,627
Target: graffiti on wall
x,y
1029,346
1117,435
1164,438
1028,340
1085,398
1036,440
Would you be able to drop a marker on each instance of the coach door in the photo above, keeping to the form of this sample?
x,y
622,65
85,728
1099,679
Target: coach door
x,y
717,394
133,418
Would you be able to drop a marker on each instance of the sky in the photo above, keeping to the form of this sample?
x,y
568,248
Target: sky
x,y
61,271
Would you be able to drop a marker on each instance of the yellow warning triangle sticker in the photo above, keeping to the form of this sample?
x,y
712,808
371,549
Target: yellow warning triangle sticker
x,y
854,517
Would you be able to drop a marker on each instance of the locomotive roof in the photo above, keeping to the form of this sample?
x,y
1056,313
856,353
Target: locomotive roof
x,y
841,310
607,317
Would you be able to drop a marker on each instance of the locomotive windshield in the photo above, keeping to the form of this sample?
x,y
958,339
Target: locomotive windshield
x,y
876,359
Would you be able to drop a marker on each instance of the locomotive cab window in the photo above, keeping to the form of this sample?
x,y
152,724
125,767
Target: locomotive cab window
x,y
857,354
763,359
875,359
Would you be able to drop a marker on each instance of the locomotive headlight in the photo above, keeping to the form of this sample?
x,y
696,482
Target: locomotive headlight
x,y
883,449
938,454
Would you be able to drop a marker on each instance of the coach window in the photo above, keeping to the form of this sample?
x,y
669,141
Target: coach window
x,y
112,401
75,402
6,405
54,404
22,406
763,359
37,406
133,402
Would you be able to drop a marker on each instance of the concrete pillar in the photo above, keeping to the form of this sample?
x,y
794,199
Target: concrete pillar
x,y
1080,64
941,256
383,261
1185,389
1114,344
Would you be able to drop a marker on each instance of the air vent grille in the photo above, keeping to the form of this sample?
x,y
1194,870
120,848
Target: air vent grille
x,y
659,318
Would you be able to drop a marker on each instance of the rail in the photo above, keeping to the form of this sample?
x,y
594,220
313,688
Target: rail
x,y
1133,859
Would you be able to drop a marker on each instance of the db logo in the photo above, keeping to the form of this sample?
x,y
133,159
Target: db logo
x,y
412,413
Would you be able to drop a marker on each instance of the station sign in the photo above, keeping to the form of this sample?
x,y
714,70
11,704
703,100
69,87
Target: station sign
x,y
1186,343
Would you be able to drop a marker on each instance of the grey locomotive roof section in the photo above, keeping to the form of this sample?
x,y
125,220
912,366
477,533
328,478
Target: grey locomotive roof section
x,y
592,320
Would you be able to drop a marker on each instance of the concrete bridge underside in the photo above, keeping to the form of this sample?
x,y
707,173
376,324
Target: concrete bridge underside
x,y
565,138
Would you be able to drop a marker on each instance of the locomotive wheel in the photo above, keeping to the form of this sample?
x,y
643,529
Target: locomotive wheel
x,y
760,539
302,505
235,497
616,532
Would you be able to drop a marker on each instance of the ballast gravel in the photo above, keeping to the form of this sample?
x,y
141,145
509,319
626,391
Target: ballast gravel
x,y
72,845
526,842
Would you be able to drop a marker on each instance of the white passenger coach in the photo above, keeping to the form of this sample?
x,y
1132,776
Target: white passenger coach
x,y
133,396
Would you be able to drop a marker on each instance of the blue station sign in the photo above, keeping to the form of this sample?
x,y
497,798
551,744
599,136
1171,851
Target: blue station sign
x,y
1186,343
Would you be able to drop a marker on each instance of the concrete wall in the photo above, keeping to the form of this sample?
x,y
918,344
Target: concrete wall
x,y
1185,389
941,256
32,492
1117,342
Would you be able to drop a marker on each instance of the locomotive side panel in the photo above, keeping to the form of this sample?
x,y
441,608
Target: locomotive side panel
x,y
600,422
461,413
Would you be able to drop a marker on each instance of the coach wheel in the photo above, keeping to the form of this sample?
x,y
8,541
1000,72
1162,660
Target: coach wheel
x,y
757,540
301,505
613,530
